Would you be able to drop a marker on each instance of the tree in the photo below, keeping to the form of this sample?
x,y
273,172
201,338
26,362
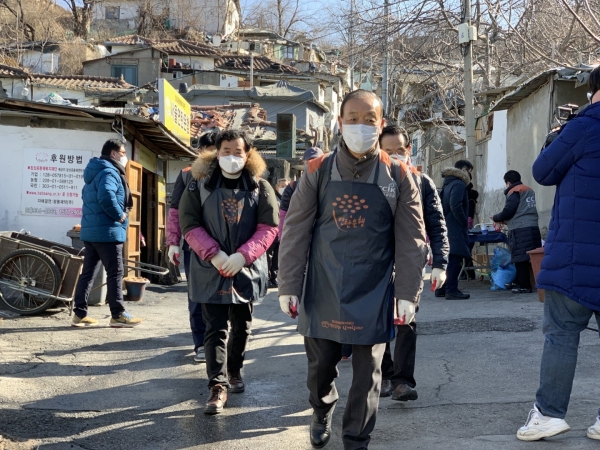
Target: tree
x,y
81,10
283,16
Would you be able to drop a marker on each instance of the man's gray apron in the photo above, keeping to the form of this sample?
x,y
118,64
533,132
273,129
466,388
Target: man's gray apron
x,y
230,218
349,286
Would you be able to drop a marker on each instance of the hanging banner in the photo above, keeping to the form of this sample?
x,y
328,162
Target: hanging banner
x,y
175,112
53,181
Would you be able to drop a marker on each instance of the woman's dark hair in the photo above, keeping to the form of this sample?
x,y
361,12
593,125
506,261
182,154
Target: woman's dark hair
x,y
112,145
232,135
395,130
207,140
463,163
512,177
594,80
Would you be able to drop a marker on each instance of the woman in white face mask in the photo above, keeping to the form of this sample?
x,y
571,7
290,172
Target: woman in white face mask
x,y
229,217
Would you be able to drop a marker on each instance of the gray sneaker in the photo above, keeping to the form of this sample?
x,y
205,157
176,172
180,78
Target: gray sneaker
x,y
200,356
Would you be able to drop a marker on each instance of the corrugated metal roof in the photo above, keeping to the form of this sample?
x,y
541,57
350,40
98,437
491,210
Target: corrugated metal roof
x,y
261,64
80,82
523,91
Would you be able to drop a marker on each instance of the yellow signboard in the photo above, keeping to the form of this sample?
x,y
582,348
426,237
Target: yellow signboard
x,y
145,157
175,111
162,190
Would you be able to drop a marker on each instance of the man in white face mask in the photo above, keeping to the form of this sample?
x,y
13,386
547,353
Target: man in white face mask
x,y
229,218
398,373
355,214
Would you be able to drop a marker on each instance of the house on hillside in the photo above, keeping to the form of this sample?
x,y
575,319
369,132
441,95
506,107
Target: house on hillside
x,y
511,134
211,16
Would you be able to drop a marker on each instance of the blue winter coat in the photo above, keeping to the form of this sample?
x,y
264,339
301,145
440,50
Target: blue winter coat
x,y
571,162
103,203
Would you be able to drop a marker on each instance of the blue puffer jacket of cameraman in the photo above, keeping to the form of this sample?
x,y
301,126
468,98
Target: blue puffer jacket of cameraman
x,y
571,162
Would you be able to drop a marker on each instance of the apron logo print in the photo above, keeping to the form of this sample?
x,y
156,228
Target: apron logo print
x,y
337,325
232,210
346,207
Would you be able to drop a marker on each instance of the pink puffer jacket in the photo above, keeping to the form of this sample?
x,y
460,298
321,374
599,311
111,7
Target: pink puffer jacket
x,y
173,229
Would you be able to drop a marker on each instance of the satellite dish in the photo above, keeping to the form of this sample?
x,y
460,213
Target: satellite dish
x,y
216,39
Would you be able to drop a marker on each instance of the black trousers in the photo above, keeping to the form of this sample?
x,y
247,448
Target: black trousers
x,y
273,260
196,321
95,255
452,273
225,351
522,277
363,399
401,370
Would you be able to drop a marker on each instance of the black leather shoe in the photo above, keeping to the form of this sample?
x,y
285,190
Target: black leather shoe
x,y
457,296
404,393
386,388
441,292
236,384
320,430
521,291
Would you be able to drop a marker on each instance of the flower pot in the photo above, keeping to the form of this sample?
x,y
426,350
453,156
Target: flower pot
x,y
135,289
536,257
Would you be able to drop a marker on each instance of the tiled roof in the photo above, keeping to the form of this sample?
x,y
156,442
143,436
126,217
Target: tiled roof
x,y
12,72
80,82
261,64
180,47
132,39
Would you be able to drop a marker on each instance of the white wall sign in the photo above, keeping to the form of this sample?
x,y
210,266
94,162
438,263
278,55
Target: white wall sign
x,y
52,182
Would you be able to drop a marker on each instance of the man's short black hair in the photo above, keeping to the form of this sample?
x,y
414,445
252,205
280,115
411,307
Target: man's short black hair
x,y
512,177
112,145
395,130
207,140
462,164
360,93
594,80
232,135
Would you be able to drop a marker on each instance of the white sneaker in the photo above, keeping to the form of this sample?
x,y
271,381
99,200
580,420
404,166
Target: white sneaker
x,y
200,356
539,426
593,432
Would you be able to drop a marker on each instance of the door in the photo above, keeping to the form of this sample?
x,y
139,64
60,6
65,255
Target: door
x,y
161,211
132,245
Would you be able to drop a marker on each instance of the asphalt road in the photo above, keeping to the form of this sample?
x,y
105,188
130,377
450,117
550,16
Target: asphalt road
x,y
102,388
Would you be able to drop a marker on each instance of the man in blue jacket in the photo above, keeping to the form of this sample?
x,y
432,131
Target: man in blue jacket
x,y
571,264
106,200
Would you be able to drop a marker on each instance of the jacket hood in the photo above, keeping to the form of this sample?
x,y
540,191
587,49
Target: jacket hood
x,y
94,167
457,173
206,163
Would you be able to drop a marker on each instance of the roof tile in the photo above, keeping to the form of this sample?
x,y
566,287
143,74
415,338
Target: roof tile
x,y
80,82
261,64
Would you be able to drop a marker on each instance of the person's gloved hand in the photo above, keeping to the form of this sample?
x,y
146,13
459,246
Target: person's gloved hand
x,y
438,278
174,254
233,265
289,305
405,312
219,259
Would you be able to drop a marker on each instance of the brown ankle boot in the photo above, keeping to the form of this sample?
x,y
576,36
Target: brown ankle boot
x,y
217,400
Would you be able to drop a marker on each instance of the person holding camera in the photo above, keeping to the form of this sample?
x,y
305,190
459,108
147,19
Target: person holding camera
x,y
571,264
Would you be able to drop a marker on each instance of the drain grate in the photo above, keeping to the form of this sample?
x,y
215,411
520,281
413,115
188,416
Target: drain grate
x,y
471,325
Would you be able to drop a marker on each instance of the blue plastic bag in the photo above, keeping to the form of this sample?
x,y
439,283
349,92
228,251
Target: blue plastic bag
x,y
503,272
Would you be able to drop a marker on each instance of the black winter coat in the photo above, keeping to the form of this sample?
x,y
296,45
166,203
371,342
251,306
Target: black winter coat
x,y
435,225
456,210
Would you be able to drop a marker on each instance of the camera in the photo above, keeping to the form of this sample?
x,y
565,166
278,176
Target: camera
x,y
564,113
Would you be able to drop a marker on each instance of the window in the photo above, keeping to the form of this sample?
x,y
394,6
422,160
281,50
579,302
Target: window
x,y
415,146
129,73
112,12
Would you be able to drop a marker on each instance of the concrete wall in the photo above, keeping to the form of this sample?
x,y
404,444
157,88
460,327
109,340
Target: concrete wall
x,y
15,139
148,62
490,167
437,166
528,124
38,62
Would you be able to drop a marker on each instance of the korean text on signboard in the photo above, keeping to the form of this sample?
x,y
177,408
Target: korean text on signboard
x,y
52,182
175,111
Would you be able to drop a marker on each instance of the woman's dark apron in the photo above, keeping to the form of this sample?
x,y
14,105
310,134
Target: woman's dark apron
x,y
349,286
230,218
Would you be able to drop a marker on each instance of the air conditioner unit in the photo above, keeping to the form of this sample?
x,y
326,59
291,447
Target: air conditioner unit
x,y
177,75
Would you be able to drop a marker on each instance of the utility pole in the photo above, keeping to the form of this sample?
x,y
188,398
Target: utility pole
x,y
351,45
471,35
251,70
384,68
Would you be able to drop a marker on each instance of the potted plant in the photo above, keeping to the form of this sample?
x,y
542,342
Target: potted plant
x,y
136,286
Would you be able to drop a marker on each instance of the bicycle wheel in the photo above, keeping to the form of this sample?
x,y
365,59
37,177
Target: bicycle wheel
x,y
27,277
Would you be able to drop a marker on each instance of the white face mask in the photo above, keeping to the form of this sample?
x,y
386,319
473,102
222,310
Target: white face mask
x,y
232,164
398,157
123,160
281,190
360,138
